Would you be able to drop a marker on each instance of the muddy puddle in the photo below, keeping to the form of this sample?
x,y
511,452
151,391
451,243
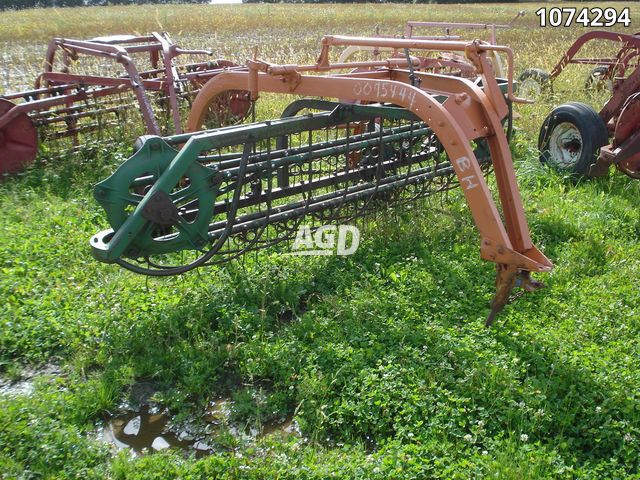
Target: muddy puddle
x,y
24,383
146,431
149,429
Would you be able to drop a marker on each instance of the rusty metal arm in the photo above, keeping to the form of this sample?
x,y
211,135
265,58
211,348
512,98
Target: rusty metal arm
x,y
496,244
119,54
631,40
168,52
471,49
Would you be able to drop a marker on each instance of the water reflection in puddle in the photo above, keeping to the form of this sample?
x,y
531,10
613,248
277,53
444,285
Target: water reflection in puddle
x,y
288,427
142,431
150,430
19,387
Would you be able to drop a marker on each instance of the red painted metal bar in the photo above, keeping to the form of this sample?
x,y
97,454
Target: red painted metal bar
x,y
119,54
621,93
168,52
398,43
122,39
41,104
630,41
74,80
447,26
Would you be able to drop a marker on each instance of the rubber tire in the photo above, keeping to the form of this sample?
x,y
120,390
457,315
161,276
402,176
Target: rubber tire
x,y
591,128
538,75
602,133
594,83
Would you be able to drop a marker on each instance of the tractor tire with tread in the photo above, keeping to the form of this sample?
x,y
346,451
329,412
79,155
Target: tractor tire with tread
x,y
596,82
571,137
532,82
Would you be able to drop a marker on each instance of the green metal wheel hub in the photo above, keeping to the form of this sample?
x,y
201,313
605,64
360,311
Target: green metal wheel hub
x,y
175,220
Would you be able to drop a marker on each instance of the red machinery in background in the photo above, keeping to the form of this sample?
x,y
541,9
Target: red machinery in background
x,y
577,139
67,102
608,71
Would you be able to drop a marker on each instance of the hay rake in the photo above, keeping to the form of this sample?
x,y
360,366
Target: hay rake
x,y
450,63
576,139
206,197
68,103
608,72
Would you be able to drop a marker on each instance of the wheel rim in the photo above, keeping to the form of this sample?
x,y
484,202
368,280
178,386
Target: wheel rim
x,y
598,83
228,108
530,88
565,146
120,195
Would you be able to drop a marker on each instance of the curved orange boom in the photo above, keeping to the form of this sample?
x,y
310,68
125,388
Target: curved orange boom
x,y
468,112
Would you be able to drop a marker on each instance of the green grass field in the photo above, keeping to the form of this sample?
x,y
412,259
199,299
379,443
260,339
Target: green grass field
x,y
381,359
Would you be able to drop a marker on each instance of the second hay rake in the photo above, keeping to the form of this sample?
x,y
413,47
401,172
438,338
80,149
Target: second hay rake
x,y
70,99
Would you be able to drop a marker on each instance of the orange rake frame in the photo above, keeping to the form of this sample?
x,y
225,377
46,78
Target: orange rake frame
x,y
468,113
456,110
